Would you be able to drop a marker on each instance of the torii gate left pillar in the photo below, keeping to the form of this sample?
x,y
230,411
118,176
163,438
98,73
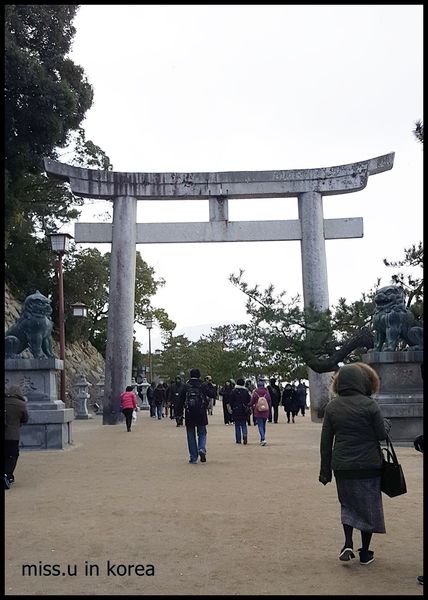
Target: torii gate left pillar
x,y
308,185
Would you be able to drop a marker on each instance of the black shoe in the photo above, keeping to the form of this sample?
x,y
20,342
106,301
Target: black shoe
x,y
420,579
238,442
366,556
6,483
245,440
203,456
346,553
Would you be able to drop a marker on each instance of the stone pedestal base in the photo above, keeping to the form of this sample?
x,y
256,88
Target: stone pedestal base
x,y
49,425
49,434
319,390
401,391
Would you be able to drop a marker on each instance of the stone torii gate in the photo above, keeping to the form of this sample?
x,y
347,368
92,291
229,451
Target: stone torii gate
x,y
124,189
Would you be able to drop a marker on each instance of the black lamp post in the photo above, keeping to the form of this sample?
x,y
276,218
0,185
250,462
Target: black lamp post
x,y
149,324
60,244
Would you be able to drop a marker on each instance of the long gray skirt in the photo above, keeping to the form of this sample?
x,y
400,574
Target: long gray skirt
x,y
361,504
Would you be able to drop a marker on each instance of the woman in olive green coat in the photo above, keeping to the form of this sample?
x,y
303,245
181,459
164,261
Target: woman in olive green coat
x,y
352,427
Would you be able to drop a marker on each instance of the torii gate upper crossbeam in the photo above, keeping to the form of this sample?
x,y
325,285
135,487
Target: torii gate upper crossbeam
x,y
90,183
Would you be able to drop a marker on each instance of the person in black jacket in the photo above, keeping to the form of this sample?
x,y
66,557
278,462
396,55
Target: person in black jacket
x,y
352,427
209,382
419,446
193,402
159,397
275,396
238,401
225,392
151,399
289,401
16,414
301,392
175,389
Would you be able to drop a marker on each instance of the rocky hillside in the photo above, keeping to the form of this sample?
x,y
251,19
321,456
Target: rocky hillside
x,y
80,357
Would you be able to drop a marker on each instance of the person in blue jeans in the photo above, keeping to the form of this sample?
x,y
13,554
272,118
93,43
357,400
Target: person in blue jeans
x,y
159,399
239,400
261,396
193,402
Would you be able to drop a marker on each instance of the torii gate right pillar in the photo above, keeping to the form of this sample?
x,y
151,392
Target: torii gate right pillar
x,y
315,282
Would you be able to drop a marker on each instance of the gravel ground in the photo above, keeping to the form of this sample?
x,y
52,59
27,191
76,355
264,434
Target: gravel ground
x,y
125,514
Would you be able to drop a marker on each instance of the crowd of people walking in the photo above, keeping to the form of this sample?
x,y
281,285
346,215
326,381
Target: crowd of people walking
x,y
243,403
163,398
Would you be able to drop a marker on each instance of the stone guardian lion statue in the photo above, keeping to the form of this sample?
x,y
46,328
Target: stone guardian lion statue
x,y
32,330
393,322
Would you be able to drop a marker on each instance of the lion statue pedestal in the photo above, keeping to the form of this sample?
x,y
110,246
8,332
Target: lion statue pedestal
x,y
49,423
401,391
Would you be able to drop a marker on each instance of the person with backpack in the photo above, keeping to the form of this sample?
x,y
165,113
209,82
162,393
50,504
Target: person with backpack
x,y
262,405
239,400
193,402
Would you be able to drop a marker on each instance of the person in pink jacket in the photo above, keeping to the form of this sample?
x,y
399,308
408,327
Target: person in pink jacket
x,y
261,396
128,403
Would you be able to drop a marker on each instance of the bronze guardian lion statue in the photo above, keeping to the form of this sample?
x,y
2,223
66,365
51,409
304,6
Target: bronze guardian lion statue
x,y
393,322
32,330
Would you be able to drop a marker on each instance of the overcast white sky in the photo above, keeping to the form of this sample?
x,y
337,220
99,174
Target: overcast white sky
x,y
243,87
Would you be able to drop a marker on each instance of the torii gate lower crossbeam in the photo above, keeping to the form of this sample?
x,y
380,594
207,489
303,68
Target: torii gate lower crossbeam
x,y
124,189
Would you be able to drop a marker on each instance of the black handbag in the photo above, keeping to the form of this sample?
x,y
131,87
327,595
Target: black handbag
x,y
392,482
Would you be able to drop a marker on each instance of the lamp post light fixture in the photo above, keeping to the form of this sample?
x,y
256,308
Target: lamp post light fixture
x,y
149,324
79,309
60,245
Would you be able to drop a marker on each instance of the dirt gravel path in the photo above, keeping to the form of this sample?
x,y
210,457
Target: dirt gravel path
x,y
252,520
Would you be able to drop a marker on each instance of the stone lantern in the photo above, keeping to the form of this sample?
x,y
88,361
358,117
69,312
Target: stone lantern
x,y
81,386
142,385
100,395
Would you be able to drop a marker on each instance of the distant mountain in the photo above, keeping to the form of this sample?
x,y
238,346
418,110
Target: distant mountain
x,y
194,332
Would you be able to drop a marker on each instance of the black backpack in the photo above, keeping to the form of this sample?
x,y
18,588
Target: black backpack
x,y
195,401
